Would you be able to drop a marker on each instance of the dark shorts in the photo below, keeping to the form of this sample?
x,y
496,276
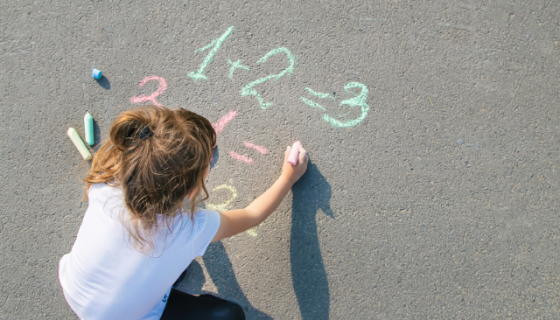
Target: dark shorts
x,y
181,305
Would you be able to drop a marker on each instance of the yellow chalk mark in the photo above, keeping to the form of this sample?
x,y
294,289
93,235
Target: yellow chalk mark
x,y
223,206
431,101
252,231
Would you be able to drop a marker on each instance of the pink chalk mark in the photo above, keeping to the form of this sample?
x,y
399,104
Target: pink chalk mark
x,y
222,123
241,158
260,149
161,89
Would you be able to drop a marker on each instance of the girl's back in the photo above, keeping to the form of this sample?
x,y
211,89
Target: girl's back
x,y
105,277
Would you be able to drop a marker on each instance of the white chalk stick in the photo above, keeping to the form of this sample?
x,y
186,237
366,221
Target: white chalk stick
x,y
75,137
294,153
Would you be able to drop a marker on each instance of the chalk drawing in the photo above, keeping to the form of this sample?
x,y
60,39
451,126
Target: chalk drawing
x,y
236,65
223,206
222,123
260,149
226,205
215,45
161,89
359,100
248,89
241,158
313,104
320,94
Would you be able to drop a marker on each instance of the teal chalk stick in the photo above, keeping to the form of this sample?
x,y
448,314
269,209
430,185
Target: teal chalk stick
x,y
88,125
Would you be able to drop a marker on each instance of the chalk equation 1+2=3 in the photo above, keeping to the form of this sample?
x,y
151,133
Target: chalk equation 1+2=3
x,y
359,100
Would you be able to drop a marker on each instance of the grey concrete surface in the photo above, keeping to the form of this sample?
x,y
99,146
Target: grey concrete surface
x,y
440,204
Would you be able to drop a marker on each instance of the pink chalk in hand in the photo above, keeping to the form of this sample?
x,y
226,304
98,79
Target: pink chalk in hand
x,y
294,153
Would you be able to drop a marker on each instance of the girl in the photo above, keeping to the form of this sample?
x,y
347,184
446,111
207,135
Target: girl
x,y
136,237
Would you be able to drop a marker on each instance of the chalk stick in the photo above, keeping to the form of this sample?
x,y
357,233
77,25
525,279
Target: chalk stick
x,y
88,125
97,74
294,153
75,137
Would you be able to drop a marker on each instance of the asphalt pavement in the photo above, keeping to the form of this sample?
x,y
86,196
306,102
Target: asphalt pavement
x,y
432,129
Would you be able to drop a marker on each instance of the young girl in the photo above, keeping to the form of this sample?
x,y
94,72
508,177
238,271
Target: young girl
x,y
136,237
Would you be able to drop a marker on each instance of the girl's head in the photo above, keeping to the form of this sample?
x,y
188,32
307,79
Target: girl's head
x,y
159,157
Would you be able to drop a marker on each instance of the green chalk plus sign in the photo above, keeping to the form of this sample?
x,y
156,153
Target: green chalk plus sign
x,y
236,65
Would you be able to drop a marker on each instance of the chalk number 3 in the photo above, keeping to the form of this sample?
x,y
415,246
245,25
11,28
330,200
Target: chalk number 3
x,y
359,100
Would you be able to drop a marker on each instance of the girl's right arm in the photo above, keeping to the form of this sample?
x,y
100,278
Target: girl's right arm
x,y
240,220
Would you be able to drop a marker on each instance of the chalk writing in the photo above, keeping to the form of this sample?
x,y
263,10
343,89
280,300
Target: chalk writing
x,y
260,149
161,89
241,158
223,206
313,104
320,94
222,123
359,100
248,89
215,45
236,65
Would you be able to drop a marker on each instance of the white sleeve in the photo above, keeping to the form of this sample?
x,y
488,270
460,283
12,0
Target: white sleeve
x,y
209,222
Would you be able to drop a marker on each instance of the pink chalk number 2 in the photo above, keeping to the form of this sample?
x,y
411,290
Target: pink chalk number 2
x,y
161,89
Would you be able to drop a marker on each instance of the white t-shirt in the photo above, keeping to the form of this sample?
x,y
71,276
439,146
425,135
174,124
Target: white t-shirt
x,y
104,277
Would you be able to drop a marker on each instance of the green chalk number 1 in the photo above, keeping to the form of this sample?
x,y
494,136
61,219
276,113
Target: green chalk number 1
x,y
215,45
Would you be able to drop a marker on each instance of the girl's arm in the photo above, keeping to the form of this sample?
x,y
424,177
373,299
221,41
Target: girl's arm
x,y
240,220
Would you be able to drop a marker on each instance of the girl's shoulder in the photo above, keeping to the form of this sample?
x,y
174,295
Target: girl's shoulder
x,y
103,190
205,219
106,198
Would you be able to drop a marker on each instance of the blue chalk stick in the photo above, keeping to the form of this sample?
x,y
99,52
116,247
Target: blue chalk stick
x,y
96,74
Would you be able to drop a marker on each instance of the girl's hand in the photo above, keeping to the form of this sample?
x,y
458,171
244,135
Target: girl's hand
x,y
236,221
293,173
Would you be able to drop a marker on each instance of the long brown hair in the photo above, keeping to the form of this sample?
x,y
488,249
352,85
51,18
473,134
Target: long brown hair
x,y
158,172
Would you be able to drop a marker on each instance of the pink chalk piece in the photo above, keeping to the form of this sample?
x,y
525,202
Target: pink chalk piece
x,y
222,123
294,153
161,89
241,158
260,149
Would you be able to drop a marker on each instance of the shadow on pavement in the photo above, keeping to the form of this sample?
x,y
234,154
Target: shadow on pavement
x,y
311,193
215,157
104,83
219,267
